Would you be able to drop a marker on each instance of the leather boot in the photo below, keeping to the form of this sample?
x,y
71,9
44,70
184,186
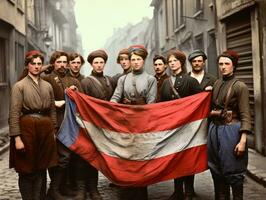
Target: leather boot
x,y
237,191
93,190
25,183
189,187
178,193
222,191
81,191
56,175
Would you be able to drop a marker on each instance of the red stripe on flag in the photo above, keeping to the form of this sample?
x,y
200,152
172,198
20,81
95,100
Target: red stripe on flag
x,y
140,173
142,119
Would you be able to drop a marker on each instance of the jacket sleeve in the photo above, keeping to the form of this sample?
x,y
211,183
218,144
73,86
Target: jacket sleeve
x,y
16,102
118,93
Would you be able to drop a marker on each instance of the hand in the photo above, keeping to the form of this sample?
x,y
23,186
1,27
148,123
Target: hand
x,y
240,149
208,88
241,146
73,87
19,144
59,104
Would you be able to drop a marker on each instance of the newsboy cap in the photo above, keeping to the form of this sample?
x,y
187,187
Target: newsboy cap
x,y
197,53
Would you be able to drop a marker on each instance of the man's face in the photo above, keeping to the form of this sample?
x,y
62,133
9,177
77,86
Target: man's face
x,y
159,66
124,61
35,66
136,62
60,64
226,66
197,64
98,64
75,65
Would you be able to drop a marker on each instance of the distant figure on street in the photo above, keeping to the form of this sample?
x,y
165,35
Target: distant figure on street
x,y
32,126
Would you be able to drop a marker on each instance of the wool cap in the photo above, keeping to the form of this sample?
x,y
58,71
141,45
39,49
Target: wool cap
x,y
97,53
178,55
33,52
139,50
232,55
195,54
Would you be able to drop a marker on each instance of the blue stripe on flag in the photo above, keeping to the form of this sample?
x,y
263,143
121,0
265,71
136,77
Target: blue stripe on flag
x,y
69,129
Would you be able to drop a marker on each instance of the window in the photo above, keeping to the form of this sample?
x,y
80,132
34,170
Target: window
x,y
161,26
19,64
2,60
31,11
199,5
179,10
166,18
20,4
199,43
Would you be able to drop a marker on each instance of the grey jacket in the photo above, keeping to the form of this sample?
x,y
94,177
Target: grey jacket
x,y
146,87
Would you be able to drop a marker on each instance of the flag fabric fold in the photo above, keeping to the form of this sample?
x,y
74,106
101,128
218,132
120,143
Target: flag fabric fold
x,y
138,145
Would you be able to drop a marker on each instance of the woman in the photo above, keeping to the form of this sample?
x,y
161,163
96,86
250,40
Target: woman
x,y
32,124
179,85
136,88
230,124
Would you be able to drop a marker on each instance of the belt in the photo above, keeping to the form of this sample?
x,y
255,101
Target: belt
x,y
36,115
223,122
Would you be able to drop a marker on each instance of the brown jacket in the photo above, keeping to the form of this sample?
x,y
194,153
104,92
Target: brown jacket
x,y
59,85
238,100
103,91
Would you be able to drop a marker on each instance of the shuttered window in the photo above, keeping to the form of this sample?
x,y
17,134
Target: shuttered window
x,y
238,38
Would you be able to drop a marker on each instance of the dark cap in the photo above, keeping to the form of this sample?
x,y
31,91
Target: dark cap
x,y
232,55
98,53
197,53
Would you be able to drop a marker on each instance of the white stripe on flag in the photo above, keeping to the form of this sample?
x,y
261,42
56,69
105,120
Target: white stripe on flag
x,y
147,146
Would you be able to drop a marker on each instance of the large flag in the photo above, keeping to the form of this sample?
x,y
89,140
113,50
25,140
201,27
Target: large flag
x,y
137,145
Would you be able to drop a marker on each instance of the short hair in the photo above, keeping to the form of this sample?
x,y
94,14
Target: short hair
x,y
123,51
56,55
159,57
73,56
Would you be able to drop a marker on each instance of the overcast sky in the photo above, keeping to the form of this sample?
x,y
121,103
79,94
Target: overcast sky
x,y
98,18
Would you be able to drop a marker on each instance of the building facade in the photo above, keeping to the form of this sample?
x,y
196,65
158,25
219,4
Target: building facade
x,y
185,25
140,33
241,27
214,26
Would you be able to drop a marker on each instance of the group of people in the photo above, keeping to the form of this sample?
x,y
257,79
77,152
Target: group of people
x,y
38,103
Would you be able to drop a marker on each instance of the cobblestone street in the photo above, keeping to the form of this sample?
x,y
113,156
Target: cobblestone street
x,y
161,191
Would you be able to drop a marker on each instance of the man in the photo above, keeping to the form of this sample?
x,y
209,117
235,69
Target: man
x,y
77,171
32,124
99,86
60,81
160,66
76,61
197,60
123,60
